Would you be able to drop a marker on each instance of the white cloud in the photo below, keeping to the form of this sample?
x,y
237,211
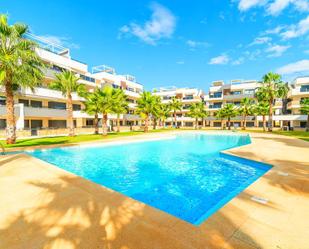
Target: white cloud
x,y
277,6
219,60
276,50
297,30
260,40
238,61
180,62
245,5
276,30
274,7
162,24
59,41
194,44
301,66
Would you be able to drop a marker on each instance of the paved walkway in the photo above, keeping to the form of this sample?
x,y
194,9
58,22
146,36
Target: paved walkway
x,y
42,206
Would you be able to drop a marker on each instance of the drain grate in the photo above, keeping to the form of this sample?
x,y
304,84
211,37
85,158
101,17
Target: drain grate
x,y
259,199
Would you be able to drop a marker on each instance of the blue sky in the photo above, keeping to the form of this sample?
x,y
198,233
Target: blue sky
x,y
179,42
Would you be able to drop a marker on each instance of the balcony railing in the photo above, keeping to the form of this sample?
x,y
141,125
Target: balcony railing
x,y
238,96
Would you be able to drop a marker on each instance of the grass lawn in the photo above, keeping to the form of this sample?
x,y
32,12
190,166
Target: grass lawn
x,y
69,140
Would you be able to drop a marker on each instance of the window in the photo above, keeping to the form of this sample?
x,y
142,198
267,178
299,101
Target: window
x,y
217,124
57,123
249,91
188,97
26,124
216,95
36,124
35,103
304,88
57,105
89,122
131,101
24,101
2,100
76,107
2,123
236,93
303,124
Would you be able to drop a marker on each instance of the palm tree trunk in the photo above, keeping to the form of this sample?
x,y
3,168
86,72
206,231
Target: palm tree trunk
x,y
196,123
70,115
118,122
244,122
146,124
10,117
154,123
270,116
104,124
307,127
96,124
264,123
175,120
229,123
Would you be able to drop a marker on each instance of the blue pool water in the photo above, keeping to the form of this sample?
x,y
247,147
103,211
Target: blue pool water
x,y
185,175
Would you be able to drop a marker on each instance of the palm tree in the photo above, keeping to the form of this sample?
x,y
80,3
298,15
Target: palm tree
x,y
20,66
67,83
106,98
197,110
229,111
145,107
245,109
220,115
156,110
92,107
262,108
120,105
164,113
175,106
272,88
304,108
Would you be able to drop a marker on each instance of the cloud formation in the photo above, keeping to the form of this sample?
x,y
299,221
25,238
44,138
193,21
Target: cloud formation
x,y
219,60
161,24
276,50
301,66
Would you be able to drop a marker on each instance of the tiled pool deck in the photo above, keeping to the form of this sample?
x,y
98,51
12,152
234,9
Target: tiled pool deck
x,y
42,206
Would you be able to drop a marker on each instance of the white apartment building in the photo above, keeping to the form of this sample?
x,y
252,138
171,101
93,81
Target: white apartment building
x,y
286,111
220,94
187,96
44,111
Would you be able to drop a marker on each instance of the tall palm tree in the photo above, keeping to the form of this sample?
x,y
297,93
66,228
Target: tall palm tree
x,y
145,107
272,88
164,113
67,83
106,98
175,105
245,109
229,111
20,66
262,109
304,108
120,105
92,107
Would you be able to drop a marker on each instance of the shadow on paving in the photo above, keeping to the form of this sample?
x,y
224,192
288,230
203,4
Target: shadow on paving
x,y
71,212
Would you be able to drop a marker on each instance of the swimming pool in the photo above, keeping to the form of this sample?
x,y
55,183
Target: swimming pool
x,y
184,175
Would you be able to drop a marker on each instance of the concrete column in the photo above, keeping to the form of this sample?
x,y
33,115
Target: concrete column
x,y
79,122
45,123
20,121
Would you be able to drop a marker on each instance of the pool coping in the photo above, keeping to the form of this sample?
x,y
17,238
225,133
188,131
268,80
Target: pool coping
x,y
236,236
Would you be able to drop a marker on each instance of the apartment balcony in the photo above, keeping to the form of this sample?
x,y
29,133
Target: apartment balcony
x,y
300,92
132,94
237,96
44,112
28,111
60,60
45,93
180,119
191,100
132,105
